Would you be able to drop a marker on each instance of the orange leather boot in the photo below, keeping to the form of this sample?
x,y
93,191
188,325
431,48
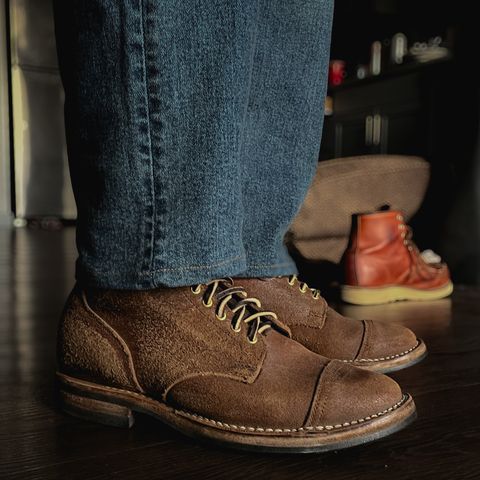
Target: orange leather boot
x,y
382,264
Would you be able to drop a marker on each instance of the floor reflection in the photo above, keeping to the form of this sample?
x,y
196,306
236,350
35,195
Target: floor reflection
x,y
425,318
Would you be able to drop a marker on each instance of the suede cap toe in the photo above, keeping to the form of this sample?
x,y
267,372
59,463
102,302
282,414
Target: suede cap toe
x,y
348,394
381,340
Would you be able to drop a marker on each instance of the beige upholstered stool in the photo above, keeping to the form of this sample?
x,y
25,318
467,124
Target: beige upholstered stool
x,y
344,186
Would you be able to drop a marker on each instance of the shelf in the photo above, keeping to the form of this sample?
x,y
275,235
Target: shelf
x,y
392,72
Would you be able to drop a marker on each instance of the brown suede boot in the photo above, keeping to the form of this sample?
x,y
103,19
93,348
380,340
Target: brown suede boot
x,y
206,361
376,346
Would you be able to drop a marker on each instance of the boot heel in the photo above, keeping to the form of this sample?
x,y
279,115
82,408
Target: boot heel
x,y
97,411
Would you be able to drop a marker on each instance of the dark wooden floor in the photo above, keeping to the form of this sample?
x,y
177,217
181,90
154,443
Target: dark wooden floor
x,y
37,441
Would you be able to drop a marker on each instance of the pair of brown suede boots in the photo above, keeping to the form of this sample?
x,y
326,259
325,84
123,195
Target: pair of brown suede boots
x,y
259,364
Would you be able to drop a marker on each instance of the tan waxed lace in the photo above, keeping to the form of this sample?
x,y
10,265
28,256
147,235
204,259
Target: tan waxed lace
x,y
423,268
245,309
293,279
406,234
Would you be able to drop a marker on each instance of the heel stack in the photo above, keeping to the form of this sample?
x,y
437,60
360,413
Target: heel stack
x,y
95,410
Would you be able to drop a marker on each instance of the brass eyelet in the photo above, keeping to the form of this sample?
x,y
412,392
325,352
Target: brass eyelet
x,y
400,218
253,342
207,305
303,288
237,330
291,282
196,290
224,317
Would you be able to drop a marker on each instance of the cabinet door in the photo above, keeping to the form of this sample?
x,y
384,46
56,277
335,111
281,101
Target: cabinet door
x,y
354,136
404,133
327,147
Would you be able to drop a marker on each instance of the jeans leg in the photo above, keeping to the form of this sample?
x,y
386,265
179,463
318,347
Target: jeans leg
x,y
283,125
156,95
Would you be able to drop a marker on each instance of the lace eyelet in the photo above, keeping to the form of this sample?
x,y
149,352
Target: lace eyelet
x,y
303,288
207,305
196,290
237,330
224,317
252,342
291,282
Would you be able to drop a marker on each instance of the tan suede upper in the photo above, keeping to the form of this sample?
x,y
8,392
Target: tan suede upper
x,y
168,345
317,326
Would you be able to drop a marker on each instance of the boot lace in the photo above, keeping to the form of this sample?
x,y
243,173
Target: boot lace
x,y
406,234
293,279
423,268
246,310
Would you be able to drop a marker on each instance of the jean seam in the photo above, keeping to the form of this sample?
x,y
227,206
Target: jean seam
x,y
151,234
271,265
196,267
193,267
247,103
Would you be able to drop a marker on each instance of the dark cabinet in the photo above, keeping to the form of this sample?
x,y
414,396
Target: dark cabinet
x,y
389,114
426,110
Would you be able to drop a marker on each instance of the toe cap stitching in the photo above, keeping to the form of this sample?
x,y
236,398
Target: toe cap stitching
x,y
388,357
244,428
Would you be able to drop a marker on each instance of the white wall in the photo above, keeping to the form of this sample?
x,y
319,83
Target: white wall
x,y
5,203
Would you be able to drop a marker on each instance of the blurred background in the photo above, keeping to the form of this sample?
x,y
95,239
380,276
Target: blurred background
x,y
403,80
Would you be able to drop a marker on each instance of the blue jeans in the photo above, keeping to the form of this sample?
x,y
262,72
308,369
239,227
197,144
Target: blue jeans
x,y
193,130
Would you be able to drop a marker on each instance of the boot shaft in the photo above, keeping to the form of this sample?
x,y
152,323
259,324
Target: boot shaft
x,y
378,252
